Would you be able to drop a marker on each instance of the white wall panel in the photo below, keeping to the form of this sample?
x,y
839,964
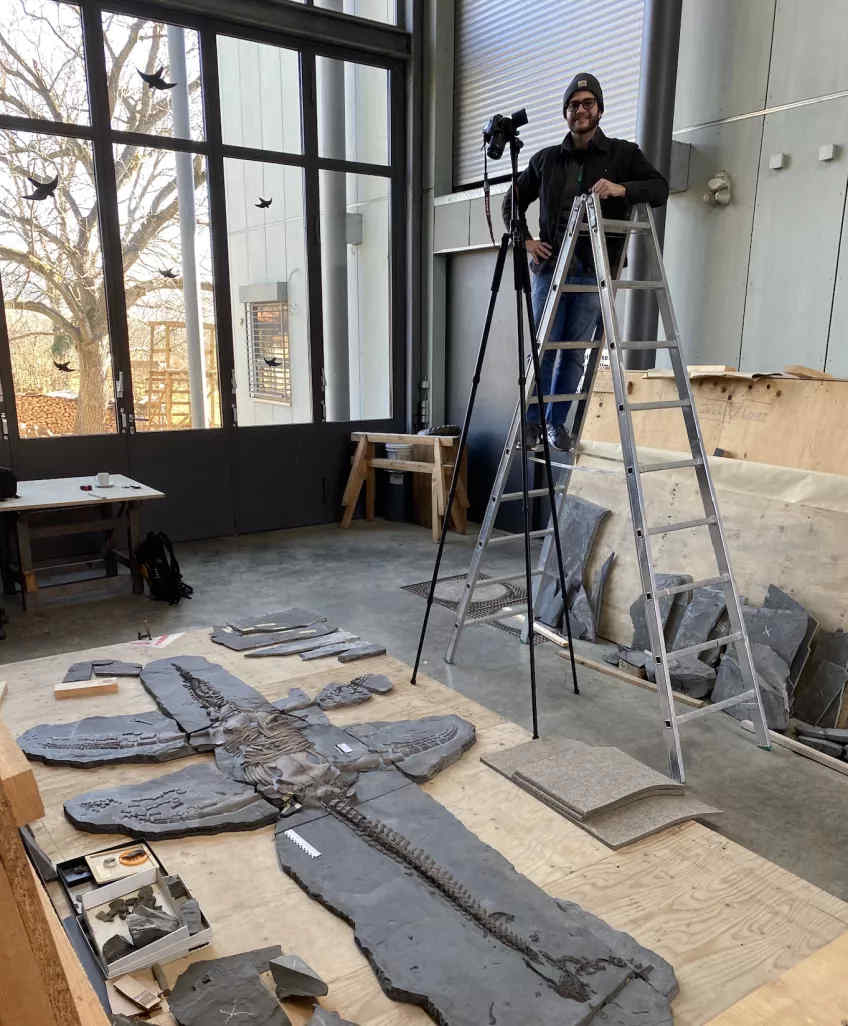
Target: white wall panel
x,y
809,52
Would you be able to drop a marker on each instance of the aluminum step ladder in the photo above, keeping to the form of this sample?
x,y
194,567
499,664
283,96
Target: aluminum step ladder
x,y
586,218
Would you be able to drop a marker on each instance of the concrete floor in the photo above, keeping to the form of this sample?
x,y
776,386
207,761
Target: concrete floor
x,y
780,805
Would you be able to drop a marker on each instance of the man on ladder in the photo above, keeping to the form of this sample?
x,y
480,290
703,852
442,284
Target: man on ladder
x,y
586,161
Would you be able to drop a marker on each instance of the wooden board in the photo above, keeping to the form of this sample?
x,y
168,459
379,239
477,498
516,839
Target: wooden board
x,y
781,421
727,919
62,492
769,541
17,781
85,688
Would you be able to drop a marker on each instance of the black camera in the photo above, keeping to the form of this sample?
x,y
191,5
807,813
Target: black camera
x,y
501,129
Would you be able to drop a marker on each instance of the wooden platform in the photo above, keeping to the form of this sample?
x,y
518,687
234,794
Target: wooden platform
x,y
728,921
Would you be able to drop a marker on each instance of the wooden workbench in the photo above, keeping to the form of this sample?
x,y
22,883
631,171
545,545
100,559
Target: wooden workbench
x,y
727,920
38,508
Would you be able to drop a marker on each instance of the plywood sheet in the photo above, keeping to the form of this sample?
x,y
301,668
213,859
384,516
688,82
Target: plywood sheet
x,y
728,920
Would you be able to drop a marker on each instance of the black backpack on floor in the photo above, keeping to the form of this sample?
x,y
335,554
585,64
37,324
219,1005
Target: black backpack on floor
x,y
160,567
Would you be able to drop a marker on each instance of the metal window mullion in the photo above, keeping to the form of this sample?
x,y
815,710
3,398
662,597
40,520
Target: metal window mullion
x,y
108,216
312,212
63,129
224,338
402,359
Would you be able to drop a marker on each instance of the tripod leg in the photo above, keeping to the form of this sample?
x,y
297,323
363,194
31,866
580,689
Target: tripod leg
x,y
463,438
534,353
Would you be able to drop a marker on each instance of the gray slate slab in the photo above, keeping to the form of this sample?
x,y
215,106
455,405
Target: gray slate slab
x,y
818,697
781,629
227,990
321,1017
773,674
296,699
700,616
328,650
196,692
101,668
336,696
599,585
97,740
410,920
232,639
691,676
196,800
294,978
362,650
376,683
833,647
776,598
837,734
418,748
287,648
582,616
279,620
641,638
820,745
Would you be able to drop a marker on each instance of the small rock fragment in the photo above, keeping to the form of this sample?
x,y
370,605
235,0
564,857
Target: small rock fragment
x,y
294,978
116,947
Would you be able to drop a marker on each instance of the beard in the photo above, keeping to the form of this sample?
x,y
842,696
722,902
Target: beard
x,y
585,123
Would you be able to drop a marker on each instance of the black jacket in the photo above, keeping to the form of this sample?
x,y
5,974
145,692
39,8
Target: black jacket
x,y
557,174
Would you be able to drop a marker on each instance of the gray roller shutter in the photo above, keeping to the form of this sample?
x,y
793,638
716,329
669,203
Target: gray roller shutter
x,y
515,53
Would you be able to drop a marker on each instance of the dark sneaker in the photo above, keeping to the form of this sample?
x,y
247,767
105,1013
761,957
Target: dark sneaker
x,y
559,438
533,435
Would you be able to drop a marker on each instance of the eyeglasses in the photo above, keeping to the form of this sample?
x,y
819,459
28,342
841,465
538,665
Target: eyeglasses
x,y
587,105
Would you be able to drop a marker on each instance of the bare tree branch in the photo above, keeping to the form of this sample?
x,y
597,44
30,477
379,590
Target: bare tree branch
x,y
32,306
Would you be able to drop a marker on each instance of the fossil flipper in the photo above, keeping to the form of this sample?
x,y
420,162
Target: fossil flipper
x,y
419,748
196,800
97,740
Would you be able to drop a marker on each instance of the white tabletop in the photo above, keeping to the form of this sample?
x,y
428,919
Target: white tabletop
x,y
56,492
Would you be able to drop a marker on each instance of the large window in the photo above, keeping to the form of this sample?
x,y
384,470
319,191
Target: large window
x,y
170,206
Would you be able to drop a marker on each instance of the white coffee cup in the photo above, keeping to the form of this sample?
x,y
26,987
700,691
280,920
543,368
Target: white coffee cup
x,y
103,479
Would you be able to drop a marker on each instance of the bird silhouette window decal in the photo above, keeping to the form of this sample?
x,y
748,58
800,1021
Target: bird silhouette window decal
x,y
64,367
41,190
156,79
263,204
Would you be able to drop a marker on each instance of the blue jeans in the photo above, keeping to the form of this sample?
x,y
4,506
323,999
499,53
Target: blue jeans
x,y
578,317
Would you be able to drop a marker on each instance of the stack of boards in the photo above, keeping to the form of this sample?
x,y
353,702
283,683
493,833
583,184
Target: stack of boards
x,y
293,632
601,789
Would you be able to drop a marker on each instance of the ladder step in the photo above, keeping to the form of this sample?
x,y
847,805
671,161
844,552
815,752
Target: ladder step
x,y
564,397
715,706
501,539
572,345
681,525
639,285
671,465
704,646
649,344
707,582
505,613
579,288
612,225
580,469
481,581
532,493
665,404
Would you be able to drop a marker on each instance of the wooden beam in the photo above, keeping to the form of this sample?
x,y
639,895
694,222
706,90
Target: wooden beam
x,y
83,688
358,474
17,781
383,436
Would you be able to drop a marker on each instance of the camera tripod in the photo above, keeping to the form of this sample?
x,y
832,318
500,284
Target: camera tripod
x,y
521,277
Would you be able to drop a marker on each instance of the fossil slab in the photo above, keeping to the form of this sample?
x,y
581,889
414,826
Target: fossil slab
x,y
294,978
773,677
362,650
287,648
334,696
97,740
376,683
227,990
101,668
280,620
195,800
456,930
296,699
419,748
232,639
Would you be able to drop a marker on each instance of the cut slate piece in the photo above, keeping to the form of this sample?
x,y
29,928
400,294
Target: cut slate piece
x,y
97,740
281,620
294,978
147,925
42,863
820,745
832,646
101,668
839,735
547,605
691,676
700,617
630,822
328,650
776,598
599,585
227,990
116,947
296,699
581,616
818,698
418,748
584,778
376,683
781,629
641,638
195,800
362,650
321,1017
448,923
296,647
231,638
336,696
197,693
773,675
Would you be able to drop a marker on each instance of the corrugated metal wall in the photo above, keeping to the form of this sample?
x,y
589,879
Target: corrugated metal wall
x,y
513,54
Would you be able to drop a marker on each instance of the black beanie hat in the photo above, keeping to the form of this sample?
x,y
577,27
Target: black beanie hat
x,y
583,81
